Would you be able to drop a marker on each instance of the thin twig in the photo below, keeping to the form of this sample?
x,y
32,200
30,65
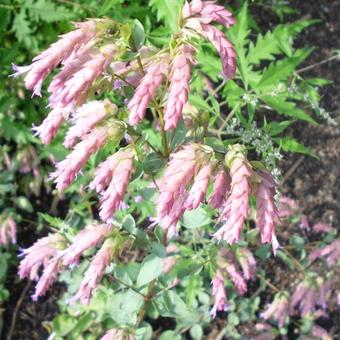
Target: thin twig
x,y
334,57
16,310
292,169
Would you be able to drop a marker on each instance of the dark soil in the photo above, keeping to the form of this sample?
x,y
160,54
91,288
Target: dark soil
x,y
314,183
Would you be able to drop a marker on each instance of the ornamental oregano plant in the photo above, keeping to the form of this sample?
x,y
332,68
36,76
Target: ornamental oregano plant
x,y
182,151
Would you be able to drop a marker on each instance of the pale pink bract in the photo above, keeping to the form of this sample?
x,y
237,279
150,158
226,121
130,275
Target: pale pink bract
x,y
89,237
236,208
179,86
58,52
267,213
146,90
219,294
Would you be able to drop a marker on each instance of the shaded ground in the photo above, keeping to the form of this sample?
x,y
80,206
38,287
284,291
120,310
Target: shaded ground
x,y
314,183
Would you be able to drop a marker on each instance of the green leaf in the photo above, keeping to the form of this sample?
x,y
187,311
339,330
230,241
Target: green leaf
x,y
23,32
63,324
276,128
292,145
144,332
138,34
170,335
265,48
47,11
195,218
279,104
239,32
152,267
124,307
167,10
84,323
24,204
282,69
215,143
196,332
153,162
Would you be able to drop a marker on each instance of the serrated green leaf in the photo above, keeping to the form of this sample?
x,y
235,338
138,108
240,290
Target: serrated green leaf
x,y
287,108
239,32
47,11
292,145
282,69
265,48
167,10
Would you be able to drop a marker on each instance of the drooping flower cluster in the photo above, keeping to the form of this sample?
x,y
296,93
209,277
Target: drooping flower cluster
x,y
219,294
228,264
112,178
52,254
192,164
267,214
8,230
196,19
330,253
236,207
278,310
198,16
311,293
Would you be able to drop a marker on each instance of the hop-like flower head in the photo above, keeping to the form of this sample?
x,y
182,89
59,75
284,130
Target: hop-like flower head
x,y
86,118
39,254
155,75
47,278
219,294
114,175
236,208
221,189
89,237
8,231
182,168
278,310
179,86
45,62
95,272
267,214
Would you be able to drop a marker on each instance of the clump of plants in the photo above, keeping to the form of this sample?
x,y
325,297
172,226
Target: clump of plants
x,y
174,149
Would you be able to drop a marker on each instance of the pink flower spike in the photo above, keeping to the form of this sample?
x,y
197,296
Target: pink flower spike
x,y
217,13
87,238
179,86
267,213
45,62
67,169
247,262
38,255
8,231
237,278
219,294
94,273
47,278
224,47
323,228
155,75
236,208
278,310
114,174
51,124
86,117
199,188
221,189
73,89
